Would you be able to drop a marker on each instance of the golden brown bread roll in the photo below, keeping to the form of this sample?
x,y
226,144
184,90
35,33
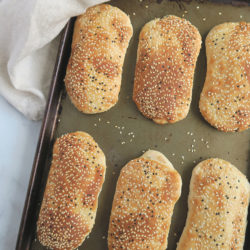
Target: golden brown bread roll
x,y
217,207
166,57
146,192
225,98
70,201
100,40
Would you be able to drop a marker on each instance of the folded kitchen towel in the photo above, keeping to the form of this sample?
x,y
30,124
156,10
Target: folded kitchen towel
x,y
28,48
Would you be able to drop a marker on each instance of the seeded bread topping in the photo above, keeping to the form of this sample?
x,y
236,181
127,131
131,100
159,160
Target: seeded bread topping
x,y
166,57
217,207
225,98
146,193
70,201
100,40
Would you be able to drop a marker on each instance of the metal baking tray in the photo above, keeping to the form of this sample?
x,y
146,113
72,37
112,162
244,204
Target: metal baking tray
x,y
124,134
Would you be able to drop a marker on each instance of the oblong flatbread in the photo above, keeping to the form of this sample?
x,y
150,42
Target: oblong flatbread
x,y
146,192
225,98
94,71
217,207
70,201
166,57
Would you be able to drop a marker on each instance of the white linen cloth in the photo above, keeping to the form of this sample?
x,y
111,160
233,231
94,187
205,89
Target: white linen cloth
x,y
28,49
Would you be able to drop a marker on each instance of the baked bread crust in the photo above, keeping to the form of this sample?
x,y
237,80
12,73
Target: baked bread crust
x,y
70,201
217,207
225,98
166,57
100,40
146,192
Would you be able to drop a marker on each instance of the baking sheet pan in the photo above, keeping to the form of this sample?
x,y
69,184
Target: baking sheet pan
x,y
123,133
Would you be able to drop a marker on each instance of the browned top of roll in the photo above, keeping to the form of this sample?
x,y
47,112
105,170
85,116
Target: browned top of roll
x,y
143,204
166,58
93,78
225,98
217,207
70,200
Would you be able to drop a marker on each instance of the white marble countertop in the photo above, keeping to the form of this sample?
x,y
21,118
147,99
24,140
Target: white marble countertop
x,y
19,138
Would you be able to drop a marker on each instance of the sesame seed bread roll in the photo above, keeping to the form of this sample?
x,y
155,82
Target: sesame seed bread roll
x,y
225,98
166,57
146,192
217,207
100,40
69,205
